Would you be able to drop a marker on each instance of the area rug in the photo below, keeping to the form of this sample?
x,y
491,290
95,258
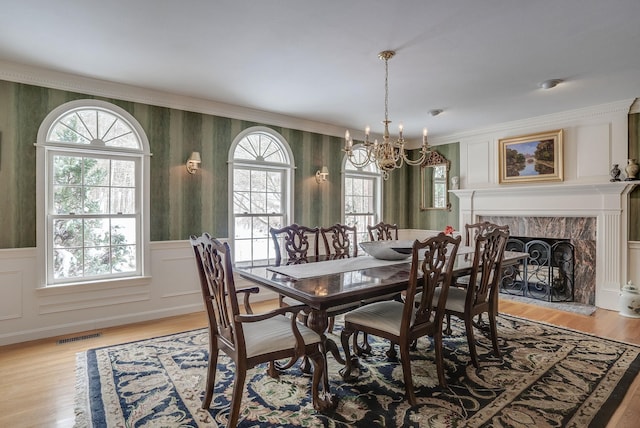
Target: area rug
x,y
549,377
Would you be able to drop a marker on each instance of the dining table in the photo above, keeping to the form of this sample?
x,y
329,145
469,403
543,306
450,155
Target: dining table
x,y
324,285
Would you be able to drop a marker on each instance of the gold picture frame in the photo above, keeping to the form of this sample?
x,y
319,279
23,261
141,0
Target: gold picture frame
x,y
531,158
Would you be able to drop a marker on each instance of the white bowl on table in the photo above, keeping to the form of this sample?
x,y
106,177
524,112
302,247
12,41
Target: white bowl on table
x,y
384,250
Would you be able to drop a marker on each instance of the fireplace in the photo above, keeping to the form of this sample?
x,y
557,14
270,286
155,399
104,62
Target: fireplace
x,y
548,274
591,217
579,232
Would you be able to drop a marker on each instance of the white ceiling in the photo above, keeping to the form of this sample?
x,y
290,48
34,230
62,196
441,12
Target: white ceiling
x,y
479,61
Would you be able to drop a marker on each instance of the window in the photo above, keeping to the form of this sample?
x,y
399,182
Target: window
x,y
362,194
439,196
261,173
93,154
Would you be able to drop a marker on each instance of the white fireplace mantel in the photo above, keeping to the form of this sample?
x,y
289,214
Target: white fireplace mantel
x,y
607,202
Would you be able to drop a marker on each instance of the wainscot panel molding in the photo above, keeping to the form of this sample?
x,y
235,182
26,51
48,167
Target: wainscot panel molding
x,y
30,313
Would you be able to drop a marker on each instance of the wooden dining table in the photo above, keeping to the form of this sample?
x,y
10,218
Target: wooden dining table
x,y
327,284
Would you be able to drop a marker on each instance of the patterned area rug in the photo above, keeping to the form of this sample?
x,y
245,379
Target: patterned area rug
x,y
549,377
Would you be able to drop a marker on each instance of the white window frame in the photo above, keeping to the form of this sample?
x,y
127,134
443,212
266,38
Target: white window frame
x,y
372,173
45,150
287,170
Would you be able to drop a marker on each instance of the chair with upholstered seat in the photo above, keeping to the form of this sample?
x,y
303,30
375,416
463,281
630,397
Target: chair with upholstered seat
x,y
383,232
471,231
403,323
248,339
481,294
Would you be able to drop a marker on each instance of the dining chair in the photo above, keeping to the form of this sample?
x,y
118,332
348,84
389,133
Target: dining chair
x,y
340,241
248,339
299,244
383,232
403,323
471,231
481,295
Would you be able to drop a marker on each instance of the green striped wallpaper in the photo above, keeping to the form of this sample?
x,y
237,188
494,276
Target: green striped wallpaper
x,y
183,204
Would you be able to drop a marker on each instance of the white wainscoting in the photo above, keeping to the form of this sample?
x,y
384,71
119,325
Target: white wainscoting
x,y
29,313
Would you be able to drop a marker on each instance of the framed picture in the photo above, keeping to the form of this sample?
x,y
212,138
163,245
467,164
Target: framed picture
x,y
534,157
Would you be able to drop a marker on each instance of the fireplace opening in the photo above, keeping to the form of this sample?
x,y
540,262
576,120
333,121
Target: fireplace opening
x,y
548,273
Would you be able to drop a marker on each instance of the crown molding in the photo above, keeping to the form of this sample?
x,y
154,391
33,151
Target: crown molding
x,y
554,120
21,73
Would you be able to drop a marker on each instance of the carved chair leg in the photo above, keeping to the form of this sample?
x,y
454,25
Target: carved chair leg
x,y
447,330
405,359
211,376
331,324
494,334
414,345
236,398
437,345
468,323
272,370
392,355
365,348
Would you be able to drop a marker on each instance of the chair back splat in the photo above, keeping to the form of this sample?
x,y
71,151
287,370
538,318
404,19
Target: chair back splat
x,y
487,266
383,232
216,279
340,241
436,269
300,243
478,229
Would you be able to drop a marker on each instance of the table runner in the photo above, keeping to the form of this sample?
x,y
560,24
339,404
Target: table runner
x,y
310,270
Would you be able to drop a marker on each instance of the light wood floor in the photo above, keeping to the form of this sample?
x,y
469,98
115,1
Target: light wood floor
x,y
37,379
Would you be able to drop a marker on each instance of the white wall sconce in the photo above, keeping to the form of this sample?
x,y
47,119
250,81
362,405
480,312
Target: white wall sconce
x,y
321,174
193,163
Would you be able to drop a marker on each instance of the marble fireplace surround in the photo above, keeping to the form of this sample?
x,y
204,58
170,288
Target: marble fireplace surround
x,y
592,216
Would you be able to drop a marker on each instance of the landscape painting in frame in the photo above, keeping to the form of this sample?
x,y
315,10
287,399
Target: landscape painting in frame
x,y
534,157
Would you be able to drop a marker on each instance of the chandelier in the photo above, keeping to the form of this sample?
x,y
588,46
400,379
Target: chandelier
x,y
387,155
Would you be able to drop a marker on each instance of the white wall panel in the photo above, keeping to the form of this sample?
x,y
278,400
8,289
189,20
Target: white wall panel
x,y
478,164
11,292
592,150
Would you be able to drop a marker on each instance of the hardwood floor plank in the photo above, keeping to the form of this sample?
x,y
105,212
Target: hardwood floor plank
x,y
37,379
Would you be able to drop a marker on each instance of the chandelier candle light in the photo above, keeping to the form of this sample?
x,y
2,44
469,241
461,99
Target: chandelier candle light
x,y
389,154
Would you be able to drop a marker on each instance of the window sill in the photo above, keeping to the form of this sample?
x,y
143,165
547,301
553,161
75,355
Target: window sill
x,y
87,286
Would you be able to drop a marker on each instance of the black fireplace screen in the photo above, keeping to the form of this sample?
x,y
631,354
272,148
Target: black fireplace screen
x,y
548,273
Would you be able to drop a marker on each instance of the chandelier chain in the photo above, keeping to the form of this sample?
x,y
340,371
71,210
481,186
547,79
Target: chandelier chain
x,y
387,155
386,89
